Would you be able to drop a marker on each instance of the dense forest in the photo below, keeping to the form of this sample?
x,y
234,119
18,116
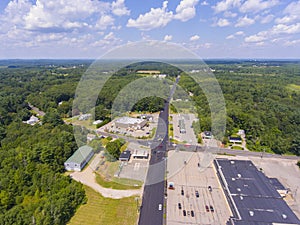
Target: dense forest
x,y
263,98
33,189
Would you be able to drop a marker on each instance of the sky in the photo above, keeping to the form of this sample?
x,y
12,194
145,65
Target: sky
x,y
89,28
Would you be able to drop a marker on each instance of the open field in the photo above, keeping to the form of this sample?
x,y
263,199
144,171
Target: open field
x,y
99,210
118,183
293,87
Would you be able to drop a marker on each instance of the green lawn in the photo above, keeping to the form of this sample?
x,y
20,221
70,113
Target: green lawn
x,y
171,130
237,148
118,183
101,211
294,87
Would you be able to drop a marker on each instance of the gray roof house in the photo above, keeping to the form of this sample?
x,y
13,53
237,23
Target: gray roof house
x,y
79,159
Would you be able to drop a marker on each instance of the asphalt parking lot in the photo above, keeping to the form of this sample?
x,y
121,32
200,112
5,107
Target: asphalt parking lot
x,y
199,204
189,136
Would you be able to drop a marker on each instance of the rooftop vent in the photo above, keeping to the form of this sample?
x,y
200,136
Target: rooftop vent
x,y
239,175
251,213
233,179
284,216
232,162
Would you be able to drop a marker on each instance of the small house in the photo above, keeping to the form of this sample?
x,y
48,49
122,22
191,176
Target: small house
x,y
207,134
235,139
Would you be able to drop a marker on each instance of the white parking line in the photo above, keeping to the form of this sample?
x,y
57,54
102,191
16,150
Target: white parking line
x,y
136,166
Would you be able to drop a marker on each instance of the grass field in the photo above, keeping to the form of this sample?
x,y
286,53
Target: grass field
x,y
105,211
118,183
294,87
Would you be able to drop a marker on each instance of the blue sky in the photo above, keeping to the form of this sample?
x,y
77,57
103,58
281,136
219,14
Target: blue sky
x,y
89,28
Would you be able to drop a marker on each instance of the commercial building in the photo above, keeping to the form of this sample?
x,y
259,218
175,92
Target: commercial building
x,y
79,159
125,156
140,154
253,199
128,122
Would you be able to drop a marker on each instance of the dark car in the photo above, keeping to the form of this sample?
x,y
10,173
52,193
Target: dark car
x,y
197,194
192,213
182,192
209,188
211,209
207,208
179,206
184,213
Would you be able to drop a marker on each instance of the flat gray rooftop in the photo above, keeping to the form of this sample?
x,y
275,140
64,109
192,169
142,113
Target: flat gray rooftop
x,y
253,197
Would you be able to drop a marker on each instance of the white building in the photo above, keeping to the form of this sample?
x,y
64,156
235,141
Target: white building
x,y
33,120
79,159
128,122
85,116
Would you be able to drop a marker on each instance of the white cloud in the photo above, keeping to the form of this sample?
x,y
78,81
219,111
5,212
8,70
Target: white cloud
x,y
204,3
292,12
225,5
267,19
168,38
104,22
233,36
255,38
158,17
59,15
277,32
230,37
244,21
230,14
223,22
257,5
286,29
292,43
240,33
109,36
14,12
194,38
287,19
186,10
119,8
293,9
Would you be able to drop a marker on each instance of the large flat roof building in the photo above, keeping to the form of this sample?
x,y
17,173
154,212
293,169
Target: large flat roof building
x,y
253,199
79,159
129,122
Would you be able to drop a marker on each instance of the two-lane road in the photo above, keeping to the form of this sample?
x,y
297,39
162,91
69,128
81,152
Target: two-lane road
x,y
151,213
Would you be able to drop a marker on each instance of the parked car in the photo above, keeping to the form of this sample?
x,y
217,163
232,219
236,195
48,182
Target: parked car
x,y
197,194
184,213
182,192
211,208
192,213
160,207
179,206
207,208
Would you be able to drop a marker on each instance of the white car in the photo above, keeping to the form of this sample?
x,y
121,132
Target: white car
x,y
160,207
